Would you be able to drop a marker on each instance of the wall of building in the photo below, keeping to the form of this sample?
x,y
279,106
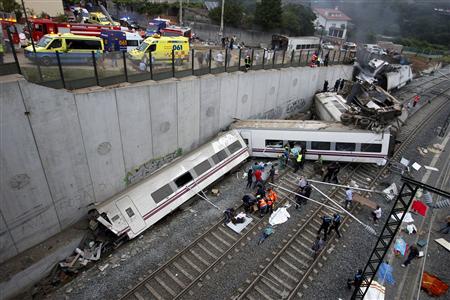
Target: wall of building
x,y
51,7
61,151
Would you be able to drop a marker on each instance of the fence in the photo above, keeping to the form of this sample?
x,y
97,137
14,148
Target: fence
x,y
103,69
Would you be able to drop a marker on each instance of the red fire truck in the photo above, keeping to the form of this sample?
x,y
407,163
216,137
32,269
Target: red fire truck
x,y
8,20
42,27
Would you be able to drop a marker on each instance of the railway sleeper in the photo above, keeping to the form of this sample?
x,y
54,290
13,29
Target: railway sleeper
x,y
298,260
276,278
284,272
291,265
272,286
262,293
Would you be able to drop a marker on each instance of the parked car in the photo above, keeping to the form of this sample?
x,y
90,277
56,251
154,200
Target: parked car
x,y
327,46
372,48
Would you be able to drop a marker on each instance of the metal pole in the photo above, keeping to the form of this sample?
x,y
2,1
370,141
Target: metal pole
x,y
226,58
300,58
209,61
253,52
61,74
334,54
13,50
345,54
273,58
151,65
239,61
173,63
264,58
181,12
125,66
282,61
94,62
345,186
292,56
32,42
339,57
221,18
193,62
307,57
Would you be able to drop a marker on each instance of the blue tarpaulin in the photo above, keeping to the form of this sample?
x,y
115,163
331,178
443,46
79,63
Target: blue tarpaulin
x,y
385,274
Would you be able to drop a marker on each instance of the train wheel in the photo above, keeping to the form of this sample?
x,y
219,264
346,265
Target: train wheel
x,y
364,123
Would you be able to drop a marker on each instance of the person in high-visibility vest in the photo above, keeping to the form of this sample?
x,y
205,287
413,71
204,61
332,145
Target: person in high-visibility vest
x,y
262,204
271,198
298,161
1,52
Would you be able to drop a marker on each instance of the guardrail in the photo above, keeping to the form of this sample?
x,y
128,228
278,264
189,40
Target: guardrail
x,y
103,69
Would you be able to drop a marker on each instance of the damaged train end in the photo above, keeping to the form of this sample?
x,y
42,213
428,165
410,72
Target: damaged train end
x,y
136,209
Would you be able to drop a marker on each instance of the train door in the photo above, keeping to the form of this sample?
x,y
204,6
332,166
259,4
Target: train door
x,y
131,214
247,137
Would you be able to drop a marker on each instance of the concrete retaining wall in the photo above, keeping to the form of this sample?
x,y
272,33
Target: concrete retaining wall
x,y
61,151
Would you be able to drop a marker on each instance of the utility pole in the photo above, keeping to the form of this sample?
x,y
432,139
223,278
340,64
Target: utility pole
x,y
221,18
181,12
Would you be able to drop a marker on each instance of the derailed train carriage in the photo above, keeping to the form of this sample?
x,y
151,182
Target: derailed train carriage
x,y
332,140
136,209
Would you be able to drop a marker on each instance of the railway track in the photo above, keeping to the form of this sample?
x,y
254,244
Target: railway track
x,y
285,275
422,86
206,254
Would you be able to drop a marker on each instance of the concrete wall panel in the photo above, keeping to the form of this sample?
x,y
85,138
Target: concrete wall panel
x,y
7,247
245,95
135,125
209,107
164,116
54,119
272,91
188,104
25,195
260,90
101,135
228,99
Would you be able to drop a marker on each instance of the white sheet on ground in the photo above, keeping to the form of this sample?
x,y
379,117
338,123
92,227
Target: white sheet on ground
x,y
239,227
375,292
408,218
279,216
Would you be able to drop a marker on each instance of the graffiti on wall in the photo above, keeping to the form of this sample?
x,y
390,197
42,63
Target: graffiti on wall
x,y
149,167
295,106
274,113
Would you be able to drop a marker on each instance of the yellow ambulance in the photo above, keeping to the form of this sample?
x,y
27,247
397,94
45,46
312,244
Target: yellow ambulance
x,y
161,48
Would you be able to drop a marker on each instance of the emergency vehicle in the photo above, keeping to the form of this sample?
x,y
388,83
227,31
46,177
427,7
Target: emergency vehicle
x,y
42,27
116,40
8,20
161,48
72,49
101,19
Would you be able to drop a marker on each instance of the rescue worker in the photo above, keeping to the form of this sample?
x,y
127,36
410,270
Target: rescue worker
x,y
2,52
229,215
348,197
326,222
248,201
336,85
317,246
356,281
247,62
298,160
335,173
302,162
272,197
261,191
325,86
262,205
286,153
330,170
336,224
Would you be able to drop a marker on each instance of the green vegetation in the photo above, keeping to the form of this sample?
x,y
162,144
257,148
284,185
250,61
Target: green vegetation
x,y
233,13
11,6
297,20
268,14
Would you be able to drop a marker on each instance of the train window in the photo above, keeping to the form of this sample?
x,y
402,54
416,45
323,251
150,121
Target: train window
x,y
162,193
129,212
202,167
183,179
274,144
115,218
320,145
246,141
234,147
219,156
345,146
293,143
371,148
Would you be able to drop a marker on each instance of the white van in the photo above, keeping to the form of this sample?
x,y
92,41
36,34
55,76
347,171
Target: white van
x,y
373,48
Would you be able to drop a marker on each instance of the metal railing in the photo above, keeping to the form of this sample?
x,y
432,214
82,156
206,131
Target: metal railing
x,y
74,71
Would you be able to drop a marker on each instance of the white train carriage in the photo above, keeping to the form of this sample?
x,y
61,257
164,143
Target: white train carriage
x,y
140,206
332,140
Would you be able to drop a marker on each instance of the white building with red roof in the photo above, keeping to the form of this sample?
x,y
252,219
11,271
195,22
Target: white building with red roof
x,y
333,22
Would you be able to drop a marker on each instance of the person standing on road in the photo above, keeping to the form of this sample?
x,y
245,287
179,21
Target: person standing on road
x,y
413,253
249,178
336,224
376,215
298,160
326,222
348,197
258,177
341,85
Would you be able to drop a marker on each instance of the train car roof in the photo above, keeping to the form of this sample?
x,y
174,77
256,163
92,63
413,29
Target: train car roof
x,y
309,125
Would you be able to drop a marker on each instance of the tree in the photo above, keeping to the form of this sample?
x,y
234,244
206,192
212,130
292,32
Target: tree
x,y
232,15
298,20
268,14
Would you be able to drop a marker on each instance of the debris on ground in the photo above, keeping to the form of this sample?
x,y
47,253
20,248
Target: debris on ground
x,y
215,192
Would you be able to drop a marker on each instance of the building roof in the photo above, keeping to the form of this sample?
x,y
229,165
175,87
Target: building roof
x,y
332,14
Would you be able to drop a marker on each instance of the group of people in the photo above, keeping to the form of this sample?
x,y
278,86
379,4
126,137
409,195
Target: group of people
x,y
316,60
264,199
338,85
